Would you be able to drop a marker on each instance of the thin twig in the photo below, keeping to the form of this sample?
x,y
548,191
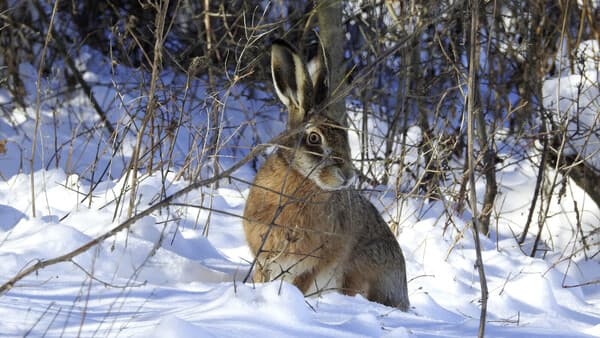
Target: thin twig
x,y
471,87
38,99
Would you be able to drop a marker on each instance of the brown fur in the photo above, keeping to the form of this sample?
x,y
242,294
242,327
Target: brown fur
x,y
318,234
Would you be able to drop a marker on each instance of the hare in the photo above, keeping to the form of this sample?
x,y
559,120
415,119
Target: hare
x,y
302,221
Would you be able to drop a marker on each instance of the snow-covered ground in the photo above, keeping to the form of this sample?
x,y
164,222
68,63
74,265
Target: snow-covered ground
x,y
179,272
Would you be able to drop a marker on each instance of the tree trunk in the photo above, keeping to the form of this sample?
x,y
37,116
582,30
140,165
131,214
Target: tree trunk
x,y
584,175
474,113
329,15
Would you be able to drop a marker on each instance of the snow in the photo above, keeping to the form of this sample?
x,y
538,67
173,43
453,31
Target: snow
x,y
191,285
179,272
590,4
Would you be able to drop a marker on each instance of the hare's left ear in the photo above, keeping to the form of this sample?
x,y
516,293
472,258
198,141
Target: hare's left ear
x,y
317,69
292,82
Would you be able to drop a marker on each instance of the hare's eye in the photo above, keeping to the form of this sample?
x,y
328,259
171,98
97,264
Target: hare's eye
x,y
313,138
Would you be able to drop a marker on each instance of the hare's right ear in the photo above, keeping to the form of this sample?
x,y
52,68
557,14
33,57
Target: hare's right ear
x,y
317,68
292,82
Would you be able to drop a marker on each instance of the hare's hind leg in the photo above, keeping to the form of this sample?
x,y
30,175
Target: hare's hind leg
x,y
390,288
387,287
377,270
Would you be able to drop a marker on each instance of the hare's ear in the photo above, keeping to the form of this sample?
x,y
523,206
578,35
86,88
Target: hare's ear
x,y
317,68
292,82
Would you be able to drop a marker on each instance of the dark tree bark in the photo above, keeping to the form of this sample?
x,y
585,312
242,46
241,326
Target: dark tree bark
x,y
583,174
587,178
329,15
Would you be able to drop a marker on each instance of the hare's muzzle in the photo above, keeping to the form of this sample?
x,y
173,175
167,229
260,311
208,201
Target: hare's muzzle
x,y
336,178
349,177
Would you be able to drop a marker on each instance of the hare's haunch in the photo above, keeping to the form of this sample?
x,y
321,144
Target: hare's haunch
x,y
302,221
